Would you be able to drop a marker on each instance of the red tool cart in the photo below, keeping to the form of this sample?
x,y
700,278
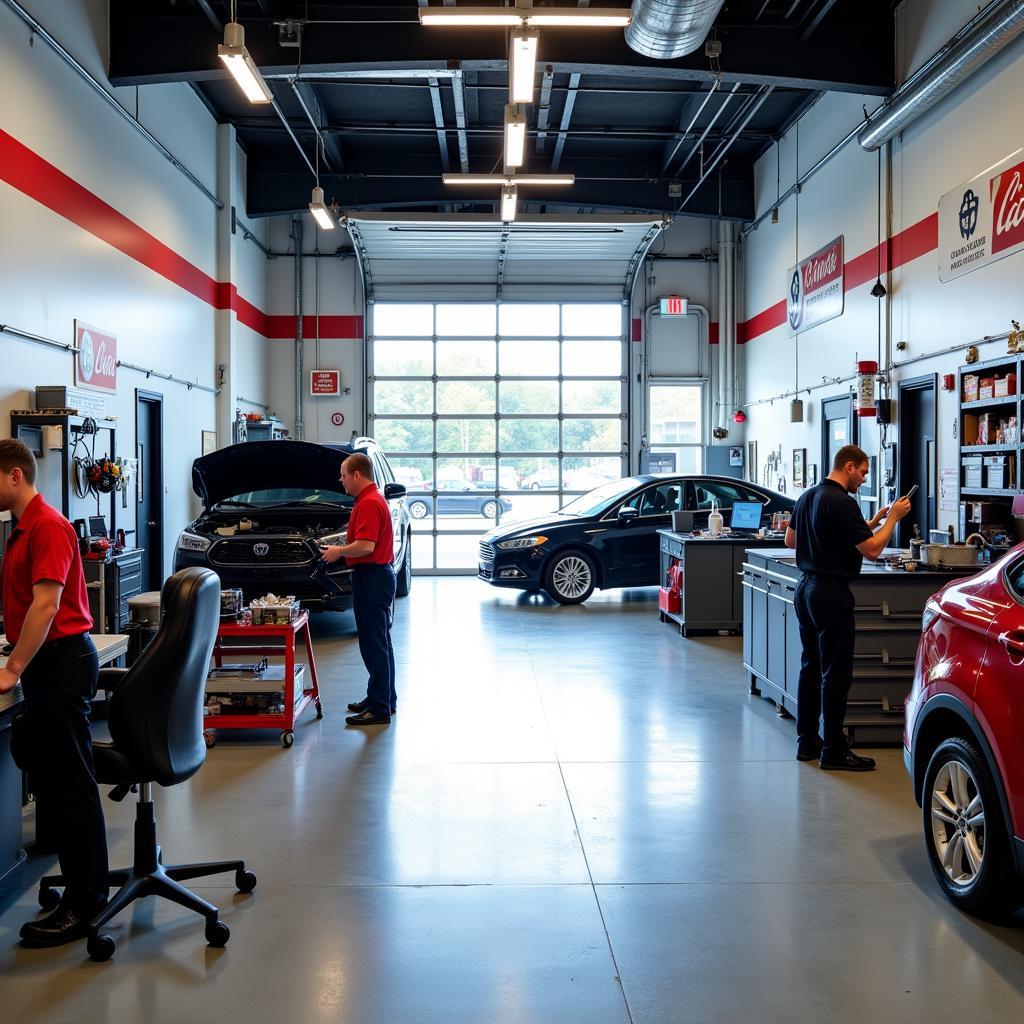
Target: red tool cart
x,y
268,641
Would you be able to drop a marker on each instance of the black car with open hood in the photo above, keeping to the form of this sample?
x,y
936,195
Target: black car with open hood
x,y
266,507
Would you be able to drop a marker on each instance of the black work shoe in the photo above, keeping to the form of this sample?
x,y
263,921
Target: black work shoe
x,y
812,754
64,925
368,717
359,705
847,761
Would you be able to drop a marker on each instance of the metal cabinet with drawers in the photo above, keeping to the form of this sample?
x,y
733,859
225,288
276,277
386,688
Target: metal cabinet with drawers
x,y
111,584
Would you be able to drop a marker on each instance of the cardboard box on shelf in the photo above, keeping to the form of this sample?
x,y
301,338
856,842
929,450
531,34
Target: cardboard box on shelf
x,y
1005,386
972,470
970,387
969,431
984,512
986,431
987,387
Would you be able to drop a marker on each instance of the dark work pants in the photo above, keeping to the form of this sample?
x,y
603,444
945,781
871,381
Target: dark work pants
x,y
373,602
824,609
58,685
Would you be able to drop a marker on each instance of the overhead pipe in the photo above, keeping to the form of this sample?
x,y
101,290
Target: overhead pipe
x,y
297,237
666,29
1000,23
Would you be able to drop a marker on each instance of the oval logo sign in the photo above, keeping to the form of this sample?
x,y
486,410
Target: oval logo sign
x,y
261,550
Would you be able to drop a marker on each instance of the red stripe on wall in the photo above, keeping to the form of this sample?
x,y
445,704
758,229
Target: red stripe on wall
x,y
333,327
917,240
713,332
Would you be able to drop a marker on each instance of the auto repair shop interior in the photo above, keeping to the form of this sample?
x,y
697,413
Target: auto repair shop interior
x,y
601,289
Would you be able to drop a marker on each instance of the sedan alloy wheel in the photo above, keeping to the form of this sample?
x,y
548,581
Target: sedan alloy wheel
x,y
570,578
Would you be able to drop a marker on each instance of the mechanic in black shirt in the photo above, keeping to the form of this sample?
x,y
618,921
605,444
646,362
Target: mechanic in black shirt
x,y
831,536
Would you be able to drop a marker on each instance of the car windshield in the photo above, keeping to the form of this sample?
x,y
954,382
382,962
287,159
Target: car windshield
x,y
598,499
289,496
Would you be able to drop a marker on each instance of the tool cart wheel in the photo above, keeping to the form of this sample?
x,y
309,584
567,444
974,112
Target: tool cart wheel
x,y
100,948
287,739
319,709
49,899
217,934
209,739
245,881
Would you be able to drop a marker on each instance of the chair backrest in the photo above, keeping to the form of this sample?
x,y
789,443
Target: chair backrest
x,y
156,712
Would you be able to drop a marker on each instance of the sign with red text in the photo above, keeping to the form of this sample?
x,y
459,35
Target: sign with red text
x,y
325,382
983,219
815,289
673,305
96,359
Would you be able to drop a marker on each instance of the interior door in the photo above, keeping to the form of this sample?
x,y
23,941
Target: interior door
x,y
149,512
916,455
838,429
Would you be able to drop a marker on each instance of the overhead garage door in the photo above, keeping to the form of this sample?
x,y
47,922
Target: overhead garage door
x,y
506,392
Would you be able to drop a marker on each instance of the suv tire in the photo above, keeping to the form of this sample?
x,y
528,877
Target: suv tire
x,y
570,577
965,833
403,574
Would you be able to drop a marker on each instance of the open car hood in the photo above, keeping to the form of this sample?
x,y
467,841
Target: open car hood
x,y
256,465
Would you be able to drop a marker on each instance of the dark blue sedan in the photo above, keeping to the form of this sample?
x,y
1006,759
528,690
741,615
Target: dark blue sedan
x,y
609,536
457,497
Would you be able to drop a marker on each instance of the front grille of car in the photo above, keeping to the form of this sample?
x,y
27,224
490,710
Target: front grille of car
x,y
244,552
486,552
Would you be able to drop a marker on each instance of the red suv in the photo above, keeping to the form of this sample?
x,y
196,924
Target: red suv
x,y
963,736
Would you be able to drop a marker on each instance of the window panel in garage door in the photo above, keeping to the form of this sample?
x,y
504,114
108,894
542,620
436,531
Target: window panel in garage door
x,y
473,407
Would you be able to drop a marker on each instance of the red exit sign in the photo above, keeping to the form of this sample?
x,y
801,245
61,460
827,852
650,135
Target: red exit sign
x,y
325,382
674,305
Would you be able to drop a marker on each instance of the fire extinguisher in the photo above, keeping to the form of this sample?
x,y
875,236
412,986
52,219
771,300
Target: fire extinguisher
x,y
866,371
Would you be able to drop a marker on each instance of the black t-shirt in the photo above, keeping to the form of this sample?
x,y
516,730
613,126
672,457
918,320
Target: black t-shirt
x,y
829,526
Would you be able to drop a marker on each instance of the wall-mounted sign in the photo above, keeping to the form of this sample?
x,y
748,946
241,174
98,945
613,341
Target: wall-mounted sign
x,y
815,288
983,219
337,418
325,382
673,305
96,359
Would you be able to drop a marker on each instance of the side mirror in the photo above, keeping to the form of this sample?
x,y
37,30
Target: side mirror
x,y
627,514
392,491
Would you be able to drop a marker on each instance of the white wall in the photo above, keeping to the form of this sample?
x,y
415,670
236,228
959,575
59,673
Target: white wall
x,y
53,271
977,125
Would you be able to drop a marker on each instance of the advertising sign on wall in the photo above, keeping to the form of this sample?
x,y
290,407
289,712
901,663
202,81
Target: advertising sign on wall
x,y
96,359
983,219
325,382
815,289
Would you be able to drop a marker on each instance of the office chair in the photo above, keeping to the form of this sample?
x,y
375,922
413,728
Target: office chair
x,y
155,718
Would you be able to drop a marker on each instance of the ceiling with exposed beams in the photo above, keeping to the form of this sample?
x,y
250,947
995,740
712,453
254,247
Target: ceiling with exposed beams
x,y
398,104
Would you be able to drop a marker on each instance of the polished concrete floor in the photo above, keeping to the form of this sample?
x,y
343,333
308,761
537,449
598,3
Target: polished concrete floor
x,y
576,816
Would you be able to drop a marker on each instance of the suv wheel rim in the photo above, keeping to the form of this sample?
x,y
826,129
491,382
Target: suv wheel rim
x,y
958,823
571,576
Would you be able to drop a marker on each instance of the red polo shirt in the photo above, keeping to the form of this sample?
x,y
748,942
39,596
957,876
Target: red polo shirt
x,y
44,546
371,520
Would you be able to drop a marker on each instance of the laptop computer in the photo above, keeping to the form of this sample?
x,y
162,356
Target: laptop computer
x,y
746,517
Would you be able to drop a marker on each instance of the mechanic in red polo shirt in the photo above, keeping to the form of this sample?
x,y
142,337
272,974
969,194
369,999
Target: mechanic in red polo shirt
x,y
370,550
47,620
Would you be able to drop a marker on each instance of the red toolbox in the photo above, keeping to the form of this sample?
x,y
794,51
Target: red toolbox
x,y
668,600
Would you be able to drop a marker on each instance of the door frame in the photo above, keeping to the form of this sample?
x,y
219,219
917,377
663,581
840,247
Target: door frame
x,y
854,438
156,400
923,383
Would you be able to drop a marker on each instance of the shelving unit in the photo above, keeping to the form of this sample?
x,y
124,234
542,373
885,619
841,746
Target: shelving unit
x,y
1002,408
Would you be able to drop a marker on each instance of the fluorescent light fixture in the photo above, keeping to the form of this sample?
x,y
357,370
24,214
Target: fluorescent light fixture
x,y
509,179
463,16
525,15
515,135
583,17
237,60
508,202
522,60
318,208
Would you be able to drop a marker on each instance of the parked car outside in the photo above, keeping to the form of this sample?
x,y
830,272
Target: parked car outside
x,y
266,507
608,537
546,479
962,737
457,497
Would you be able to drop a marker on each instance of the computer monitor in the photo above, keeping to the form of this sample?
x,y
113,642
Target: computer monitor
x,y
746,515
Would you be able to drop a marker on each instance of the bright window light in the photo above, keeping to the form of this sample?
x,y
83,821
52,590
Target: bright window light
x,y
515,135
508,203
522,65
242,67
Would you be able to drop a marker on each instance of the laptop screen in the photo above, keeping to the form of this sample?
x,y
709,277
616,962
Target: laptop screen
x,y
746,515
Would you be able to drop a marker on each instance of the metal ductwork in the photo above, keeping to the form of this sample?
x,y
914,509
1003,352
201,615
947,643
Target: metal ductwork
x,y
992,30
665,29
